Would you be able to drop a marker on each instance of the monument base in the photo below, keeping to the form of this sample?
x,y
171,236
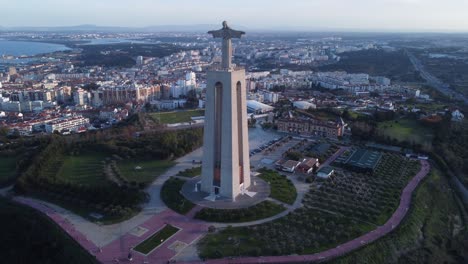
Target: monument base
x,y
256,193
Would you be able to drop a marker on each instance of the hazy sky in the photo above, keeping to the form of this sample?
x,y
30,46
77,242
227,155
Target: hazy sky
x,y
407,15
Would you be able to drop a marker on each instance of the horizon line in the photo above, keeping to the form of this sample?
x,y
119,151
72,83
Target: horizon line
x,y
279,29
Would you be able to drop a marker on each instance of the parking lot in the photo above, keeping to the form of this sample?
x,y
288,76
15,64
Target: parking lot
x,y
266,155
259,136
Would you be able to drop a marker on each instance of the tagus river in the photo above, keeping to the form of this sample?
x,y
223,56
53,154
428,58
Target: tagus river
x,y
19,48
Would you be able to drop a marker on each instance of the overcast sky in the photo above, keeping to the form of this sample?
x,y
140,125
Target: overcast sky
x,y
361,15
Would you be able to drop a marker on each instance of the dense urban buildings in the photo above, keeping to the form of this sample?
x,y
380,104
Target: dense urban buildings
x,y
142,145
178,80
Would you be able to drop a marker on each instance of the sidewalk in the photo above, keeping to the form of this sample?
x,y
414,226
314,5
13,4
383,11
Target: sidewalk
x,y
192,229
349,246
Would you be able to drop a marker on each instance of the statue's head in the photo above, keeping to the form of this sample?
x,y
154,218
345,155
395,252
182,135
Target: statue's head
x,y
225,25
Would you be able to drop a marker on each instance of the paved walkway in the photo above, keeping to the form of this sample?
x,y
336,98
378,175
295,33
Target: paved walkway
x,y
102,240
301,188
259,186
333,157
349,246
102,235
194,211
112,243
117,251
154,190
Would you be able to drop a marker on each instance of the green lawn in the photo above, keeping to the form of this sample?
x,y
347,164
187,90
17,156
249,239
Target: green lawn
x,y
7,168
229,242
170,194
282,189
29,236
86,211
190,173
321,114
406,130
353,115
147,171
177,117
428,234
262,210
85,169
156,239
332,214
432,106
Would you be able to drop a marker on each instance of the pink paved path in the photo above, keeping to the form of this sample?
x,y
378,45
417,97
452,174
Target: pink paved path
x,y
354,244
192,229
119,248
194,211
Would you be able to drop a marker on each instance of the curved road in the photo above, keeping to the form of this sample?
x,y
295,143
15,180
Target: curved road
x,y
104,242
434,81
301,188
349,246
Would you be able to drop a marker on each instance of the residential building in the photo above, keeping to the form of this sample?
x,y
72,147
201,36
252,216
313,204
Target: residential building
x,y
325,172
257,107
457,116
73,123
304,105
311,127
308,165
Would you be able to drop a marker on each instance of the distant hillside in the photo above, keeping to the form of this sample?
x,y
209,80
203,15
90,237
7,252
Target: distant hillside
x,y
394,65
95,28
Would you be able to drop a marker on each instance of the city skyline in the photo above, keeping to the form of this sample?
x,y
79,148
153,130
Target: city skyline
x,y
299,15
210,132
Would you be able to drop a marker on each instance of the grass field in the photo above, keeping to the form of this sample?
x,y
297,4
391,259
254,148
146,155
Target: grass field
x,y
171,196
282,189
190,173
29,236
86,211
406,130
7,168
431,233
262,210
177,117
156,239
83,169
432,106
148,172
332,212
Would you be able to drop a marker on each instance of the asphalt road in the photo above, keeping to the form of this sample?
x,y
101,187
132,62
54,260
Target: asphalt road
x,y
434,81
389,226
114,241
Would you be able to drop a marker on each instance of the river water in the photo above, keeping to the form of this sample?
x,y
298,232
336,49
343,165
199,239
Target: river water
x,y
27,48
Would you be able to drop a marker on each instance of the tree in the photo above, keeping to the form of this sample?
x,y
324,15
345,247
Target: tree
x,y
4,131
148,107
293,155
192,99
91,86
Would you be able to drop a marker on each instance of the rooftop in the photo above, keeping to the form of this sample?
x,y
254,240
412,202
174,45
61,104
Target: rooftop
x,y
326,170
363,158
255,105
290,164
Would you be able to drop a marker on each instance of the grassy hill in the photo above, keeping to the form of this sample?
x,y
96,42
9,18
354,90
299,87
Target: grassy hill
x,y
30,237
435,231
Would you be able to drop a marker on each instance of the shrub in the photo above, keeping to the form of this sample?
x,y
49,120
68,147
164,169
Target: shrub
x,y
170,194
262,210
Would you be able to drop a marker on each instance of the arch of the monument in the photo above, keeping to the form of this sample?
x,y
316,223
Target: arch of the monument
x,y
218,133
240,118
